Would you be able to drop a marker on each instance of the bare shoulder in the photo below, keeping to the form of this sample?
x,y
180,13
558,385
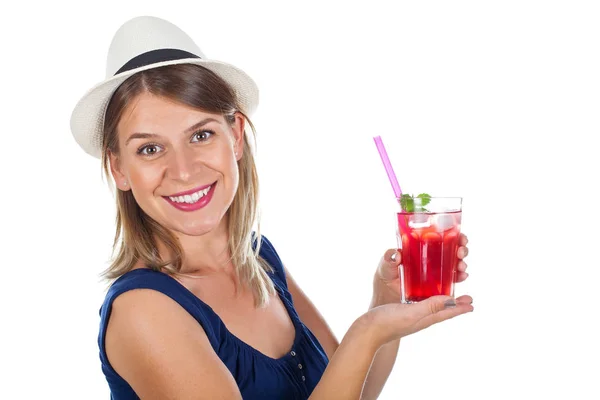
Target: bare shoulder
x,y
162,351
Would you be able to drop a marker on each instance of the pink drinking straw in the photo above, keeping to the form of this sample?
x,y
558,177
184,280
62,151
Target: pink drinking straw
x,y
392,177
388,166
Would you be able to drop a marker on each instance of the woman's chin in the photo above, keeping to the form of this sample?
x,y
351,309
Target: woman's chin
x,y
195,228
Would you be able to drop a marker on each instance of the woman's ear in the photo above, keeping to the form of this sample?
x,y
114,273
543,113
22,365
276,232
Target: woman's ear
x,y
237,128
117,173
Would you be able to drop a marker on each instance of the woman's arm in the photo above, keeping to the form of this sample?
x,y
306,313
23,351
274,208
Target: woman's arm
x,y
163,353
366,367
386,290
346,373
378,369
384,361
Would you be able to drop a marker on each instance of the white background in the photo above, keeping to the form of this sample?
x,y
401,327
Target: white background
x,y
493,101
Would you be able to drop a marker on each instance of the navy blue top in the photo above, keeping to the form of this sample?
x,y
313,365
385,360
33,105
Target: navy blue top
x,y
258,376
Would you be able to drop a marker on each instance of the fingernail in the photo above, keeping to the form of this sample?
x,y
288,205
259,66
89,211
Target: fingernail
x,y
394,256
450,303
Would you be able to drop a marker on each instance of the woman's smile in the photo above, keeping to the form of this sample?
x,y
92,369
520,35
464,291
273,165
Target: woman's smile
x,y
192,200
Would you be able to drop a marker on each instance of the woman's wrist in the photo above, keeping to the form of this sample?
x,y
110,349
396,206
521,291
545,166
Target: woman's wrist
x,y
365,332
370,330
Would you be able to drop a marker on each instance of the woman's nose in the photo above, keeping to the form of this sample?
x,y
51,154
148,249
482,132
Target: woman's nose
x,y
181,164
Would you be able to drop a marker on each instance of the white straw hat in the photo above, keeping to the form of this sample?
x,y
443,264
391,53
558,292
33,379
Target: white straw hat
x,y
139,44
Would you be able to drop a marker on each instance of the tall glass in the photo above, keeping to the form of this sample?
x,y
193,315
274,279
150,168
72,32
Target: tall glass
x,y
429,241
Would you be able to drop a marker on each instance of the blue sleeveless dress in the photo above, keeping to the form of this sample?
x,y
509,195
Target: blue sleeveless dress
x,y
258,376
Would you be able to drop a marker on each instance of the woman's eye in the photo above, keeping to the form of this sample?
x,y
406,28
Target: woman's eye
x,y
202,136
148,150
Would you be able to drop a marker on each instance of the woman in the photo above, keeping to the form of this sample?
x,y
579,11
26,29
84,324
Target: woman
x,y
201,306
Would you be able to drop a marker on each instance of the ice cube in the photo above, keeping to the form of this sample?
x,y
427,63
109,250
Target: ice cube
x,y
443,222
419,221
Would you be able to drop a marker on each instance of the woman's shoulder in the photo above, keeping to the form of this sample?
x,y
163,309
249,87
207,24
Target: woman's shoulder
x,y
149,329
140,287
138,278
162,285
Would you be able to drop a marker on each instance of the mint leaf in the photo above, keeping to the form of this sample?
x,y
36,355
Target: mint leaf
x,y
407,203
425,198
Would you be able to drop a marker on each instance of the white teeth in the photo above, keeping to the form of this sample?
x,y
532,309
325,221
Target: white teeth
x,y
190,198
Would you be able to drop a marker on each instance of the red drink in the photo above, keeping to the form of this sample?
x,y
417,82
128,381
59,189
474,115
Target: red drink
x,y
429,243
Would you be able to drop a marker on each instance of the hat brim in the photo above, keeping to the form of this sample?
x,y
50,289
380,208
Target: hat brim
x,y
87,118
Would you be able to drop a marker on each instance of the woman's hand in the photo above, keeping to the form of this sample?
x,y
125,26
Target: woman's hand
x,y
392,321
386,284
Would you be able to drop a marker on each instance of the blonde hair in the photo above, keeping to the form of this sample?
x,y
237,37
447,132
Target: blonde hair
x,y
136,232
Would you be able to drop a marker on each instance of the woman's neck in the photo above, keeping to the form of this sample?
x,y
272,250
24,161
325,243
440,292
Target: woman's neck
x,y
206,254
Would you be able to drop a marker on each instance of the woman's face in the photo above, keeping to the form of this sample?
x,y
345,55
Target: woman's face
x,y
180,163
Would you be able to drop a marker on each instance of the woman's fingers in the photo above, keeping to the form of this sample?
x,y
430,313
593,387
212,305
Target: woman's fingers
x,y
462,249
393,321
441,308
461,277
461,273
393,256
443,315
431,306
464,299
388,266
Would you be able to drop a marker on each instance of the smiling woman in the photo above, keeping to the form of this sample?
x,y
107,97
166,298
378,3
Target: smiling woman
x,y
173,138
200,306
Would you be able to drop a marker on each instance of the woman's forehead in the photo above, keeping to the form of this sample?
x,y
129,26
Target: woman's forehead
x,y
148,112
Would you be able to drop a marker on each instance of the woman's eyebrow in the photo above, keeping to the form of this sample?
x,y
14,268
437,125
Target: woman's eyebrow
x,y
143,135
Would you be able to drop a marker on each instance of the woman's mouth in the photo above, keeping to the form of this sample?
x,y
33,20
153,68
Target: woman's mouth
x,y
192,200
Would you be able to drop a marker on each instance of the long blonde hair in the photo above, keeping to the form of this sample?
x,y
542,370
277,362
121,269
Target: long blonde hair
x,y
136,232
